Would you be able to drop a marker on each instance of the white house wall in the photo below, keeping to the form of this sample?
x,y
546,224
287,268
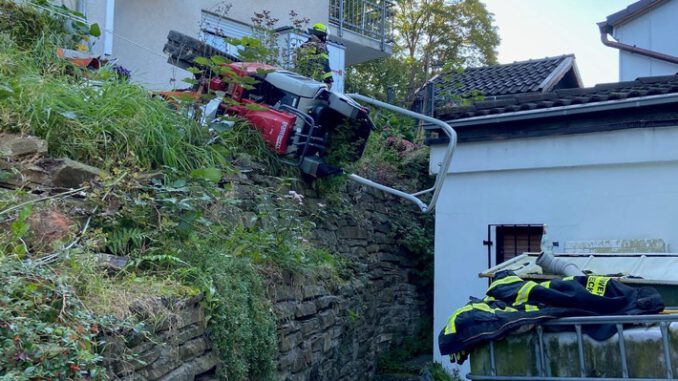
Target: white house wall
x,y
141,28
598,186
656,30
317,11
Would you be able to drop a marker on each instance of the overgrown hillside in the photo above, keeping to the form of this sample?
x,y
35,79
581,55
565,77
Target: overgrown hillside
x,y
161,220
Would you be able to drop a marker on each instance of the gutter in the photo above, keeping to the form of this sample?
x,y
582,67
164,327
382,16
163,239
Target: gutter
x,y
651,100
606,28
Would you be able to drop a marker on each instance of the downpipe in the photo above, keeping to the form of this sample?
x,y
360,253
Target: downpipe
x,y
555,266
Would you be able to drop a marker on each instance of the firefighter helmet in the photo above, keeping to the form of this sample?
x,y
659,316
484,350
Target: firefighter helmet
x,y
319,30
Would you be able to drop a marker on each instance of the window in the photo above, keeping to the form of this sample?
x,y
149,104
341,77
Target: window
x,y
512,240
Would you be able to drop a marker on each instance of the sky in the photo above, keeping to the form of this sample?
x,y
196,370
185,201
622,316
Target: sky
x,y
531,29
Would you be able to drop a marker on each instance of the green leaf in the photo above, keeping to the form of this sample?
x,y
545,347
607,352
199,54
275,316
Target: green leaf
x,y
202,61
213,175
194,70
219,60
95,30
255,107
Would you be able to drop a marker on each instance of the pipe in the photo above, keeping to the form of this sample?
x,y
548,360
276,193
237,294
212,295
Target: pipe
x,y
553,265
444,164
605,30
109,27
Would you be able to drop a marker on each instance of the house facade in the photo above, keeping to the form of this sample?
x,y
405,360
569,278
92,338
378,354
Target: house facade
x,y
598,166
645,35
135,31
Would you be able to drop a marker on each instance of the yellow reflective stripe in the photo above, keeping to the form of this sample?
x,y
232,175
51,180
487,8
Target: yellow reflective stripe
x,y
451,322
546,284
451,326
488,299
508,280
597,285
568,278
524,293
327,75
325,56
531,308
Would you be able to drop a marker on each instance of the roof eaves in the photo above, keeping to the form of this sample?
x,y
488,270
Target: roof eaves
x,y
566,110
631,12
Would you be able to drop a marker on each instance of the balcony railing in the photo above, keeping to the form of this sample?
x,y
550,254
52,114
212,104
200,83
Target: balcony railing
x,y
370,18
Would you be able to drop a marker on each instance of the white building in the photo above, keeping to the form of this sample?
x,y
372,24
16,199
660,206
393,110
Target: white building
x,y
645,33
135,31
601,174
599,166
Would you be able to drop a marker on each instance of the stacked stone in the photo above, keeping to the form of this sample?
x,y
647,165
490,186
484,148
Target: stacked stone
x,y
330,332
177,348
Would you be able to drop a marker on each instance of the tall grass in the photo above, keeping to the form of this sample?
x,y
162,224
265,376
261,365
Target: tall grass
x,y
114,123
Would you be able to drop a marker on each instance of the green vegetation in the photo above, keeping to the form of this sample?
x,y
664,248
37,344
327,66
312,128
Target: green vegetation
x,y
164,203
167,202
46,333
433,37
114,124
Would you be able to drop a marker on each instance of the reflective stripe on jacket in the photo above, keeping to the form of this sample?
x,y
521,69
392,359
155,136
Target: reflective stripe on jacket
x,y
514,305
313,60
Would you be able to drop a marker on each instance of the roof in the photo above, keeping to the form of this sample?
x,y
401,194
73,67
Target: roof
x,y
639,268
524,77
632,11
641,87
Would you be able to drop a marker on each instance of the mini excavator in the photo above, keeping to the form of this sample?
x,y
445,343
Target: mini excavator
x,y
300,119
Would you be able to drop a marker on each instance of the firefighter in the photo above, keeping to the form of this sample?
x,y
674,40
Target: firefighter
x,y
313,58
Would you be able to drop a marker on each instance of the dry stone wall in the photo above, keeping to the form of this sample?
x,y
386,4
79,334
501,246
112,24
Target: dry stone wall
x,y
328,329
337,331
173,348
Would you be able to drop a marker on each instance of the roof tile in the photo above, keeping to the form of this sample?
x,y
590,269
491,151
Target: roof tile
x,y
501,80
641,87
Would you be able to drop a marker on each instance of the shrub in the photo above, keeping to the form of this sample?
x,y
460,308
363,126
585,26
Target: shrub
x,y
45,332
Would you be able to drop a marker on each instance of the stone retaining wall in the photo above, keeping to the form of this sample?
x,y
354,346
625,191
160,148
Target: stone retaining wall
x,y
328,333
327,329
177,348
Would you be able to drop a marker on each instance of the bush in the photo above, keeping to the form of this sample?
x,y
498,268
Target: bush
x,y
45,332
26,26
241,321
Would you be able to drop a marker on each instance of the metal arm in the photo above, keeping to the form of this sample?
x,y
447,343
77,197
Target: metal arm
x,y
444,165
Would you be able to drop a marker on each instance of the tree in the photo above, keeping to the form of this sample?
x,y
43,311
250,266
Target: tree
x,y
431,36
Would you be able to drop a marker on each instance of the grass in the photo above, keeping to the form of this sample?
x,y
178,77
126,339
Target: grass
x,y
105,295
114,124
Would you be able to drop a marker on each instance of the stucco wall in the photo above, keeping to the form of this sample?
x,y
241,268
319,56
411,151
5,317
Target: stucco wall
x,y
655,30
316,10
141,28
613,185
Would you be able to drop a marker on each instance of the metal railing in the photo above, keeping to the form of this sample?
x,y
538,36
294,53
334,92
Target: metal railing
x,y
577,322
370,18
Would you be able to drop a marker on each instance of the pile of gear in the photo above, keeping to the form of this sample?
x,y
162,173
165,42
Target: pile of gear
x,y
513,305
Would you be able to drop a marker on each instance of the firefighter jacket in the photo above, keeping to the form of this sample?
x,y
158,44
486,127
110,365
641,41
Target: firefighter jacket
x,y
513,305
313,60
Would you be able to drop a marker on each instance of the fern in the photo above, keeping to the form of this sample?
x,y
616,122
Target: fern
x,y
125,240
159,260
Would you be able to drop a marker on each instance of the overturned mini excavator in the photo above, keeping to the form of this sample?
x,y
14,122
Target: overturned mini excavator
x,y
300,119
